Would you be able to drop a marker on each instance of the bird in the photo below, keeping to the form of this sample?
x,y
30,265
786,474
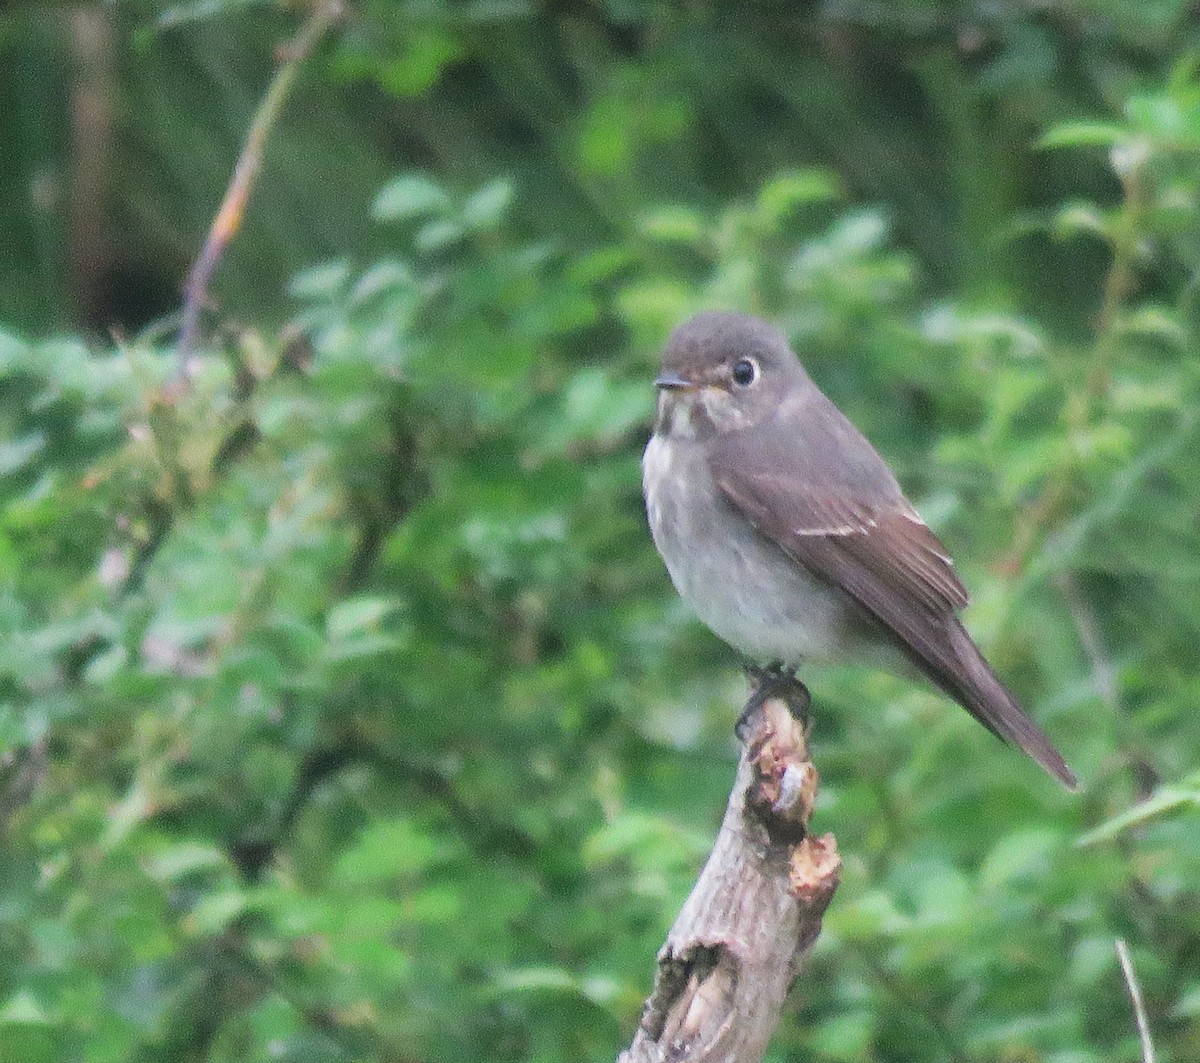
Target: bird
x,y
790,537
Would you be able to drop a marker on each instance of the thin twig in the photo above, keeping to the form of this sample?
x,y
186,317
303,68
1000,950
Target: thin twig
x,y
1135,995
1130,165
1082,402
229,217
1104,677
1104,672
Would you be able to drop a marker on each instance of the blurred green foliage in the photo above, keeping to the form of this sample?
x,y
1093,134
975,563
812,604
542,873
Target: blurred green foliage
x,y
346,712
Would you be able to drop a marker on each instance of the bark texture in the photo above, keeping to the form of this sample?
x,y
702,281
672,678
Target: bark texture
x,y
755,911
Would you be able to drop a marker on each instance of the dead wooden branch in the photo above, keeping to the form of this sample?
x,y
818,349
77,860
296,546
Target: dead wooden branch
x,y
755,911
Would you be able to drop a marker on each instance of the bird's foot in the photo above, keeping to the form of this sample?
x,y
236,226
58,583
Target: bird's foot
x,y
773,681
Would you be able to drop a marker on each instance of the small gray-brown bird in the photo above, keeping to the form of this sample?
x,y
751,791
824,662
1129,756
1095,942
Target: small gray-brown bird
x,y
788,534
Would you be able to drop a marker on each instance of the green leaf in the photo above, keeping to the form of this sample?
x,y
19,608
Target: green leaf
x,y
1075,218
184,859
1082,134
354,615
1166,118
1168,799
320,282
1026,853
674,224
784,192
409,196
438,234
13,351
17,453
215,911
23,1009
1155,322
535,980
387,849
487,207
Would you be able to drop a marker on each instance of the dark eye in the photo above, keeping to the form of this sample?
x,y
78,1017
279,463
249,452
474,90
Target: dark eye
x,y
744,372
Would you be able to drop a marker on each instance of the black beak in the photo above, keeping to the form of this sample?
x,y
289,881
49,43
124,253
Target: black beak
x,y
672,382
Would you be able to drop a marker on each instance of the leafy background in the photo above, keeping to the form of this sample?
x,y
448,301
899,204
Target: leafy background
x,y
346,712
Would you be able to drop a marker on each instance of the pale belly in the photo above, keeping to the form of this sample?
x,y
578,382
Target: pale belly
x,y
742,586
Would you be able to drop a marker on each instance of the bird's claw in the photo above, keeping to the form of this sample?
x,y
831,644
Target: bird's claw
x,y
773,681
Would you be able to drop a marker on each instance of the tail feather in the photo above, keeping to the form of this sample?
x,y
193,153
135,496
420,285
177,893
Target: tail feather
x,y
982,694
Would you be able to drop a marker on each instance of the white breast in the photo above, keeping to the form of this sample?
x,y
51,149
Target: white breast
x,y
740,584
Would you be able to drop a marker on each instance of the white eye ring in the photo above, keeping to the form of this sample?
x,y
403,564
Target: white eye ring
x,y
744,372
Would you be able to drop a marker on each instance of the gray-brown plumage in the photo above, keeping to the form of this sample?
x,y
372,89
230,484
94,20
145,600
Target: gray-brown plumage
x,y
789,535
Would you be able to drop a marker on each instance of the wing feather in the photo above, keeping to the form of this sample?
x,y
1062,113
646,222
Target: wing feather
x,y
892,543
885,558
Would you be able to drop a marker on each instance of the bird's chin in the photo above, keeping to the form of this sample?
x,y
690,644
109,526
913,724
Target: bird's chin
x,y
676,414
697,413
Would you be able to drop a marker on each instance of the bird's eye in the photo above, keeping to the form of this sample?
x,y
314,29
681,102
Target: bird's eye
x,y
744,372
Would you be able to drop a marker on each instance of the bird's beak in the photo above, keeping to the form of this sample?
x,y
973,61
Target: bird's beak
x,y
673,382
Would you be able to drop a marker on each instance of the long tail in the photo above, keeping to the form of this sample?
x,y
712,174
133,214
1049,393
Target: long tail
x,y
981,693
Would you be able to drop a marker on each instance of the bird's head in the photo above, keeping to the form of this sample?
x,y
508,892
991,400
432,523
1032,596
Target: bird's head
x,y
721,372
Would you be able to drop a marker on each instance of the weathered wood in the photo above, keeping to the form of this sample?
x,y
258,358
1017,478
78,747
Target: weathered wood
x,y
755,911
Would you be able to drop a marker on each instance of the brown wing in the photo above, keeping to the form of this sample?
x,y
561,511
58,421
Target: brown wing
x,y
891,542
895,568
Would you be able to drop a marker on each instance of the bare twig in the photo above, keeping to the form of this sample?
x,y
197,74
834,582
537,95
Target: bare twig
x,y
90,245
1104,672
229,217
754,913
1082,400
1135,995
1146,776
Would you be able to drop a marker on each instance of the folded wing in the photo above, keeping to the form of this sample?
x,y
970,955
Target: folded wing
x,y
886,558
